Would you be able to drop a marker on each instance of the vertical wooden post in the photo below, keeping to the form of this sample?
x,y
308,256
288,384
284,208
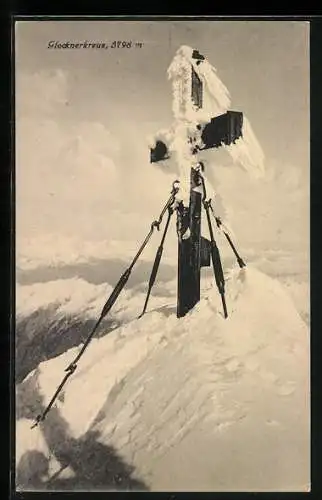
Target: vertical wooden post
x,y
189,251
190,218
195,235
184,302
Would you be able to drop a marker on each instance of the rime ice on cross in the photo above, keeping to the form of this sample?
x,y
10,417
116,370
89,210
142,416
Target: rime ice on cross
x,y
199,98
186,105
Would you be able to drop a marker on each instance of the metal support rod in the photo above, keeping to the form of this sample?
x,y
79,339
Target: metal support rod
x,y
156,263
108,305
215,255
240,261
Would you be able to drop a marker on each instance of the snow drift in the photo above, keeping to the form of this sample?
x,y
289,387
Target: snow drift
x,y
199,403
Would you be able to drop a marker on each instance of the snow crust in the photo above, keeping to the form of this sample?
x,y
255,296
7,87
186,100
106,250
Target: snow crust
x,y
195,404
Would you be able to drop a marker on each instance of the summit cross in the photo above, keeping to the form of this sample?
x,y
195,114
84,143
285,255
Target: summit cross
x,y
193,130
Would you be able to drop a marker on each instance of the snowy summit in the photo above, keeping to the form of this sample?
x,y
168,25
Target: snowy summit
x,y
198,403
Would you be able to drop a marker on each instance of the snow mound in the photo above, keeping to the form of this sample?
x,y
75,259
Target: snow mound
x,y
198,403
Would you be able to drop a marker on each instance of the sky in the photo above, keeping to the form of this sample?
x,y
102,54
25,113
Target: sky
x,y
264,64
83,115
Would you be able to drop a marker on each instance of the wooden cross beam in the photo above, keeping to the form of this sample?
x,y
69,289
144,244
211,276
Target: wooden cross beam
x,y
193,250
222,130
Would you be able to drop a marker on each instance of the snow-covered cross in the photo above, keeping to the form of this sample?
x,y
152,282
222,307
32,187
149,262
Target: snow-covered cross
x,y
201,121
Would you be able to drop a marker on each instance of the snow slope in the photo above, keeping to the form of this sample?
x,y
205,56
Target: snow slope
x,y
195,404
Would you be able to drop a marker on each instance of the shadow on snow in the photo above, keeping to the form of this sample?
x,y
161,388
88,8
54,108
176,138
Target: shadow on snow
x,y
94,466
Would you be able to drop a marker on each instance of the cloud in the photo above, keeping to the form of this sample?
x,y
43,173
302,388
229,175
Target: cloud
x,y
272,212
65,170
42,92
80,187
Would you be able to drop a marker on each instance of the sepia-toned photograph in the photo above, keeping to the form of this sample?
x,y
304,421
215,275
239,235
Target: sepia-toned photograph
x,y
162,330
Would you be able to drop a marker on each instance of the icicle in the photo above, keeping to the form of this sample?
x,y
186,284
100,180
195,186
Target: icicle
x,y
215,86
180,67
248,152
